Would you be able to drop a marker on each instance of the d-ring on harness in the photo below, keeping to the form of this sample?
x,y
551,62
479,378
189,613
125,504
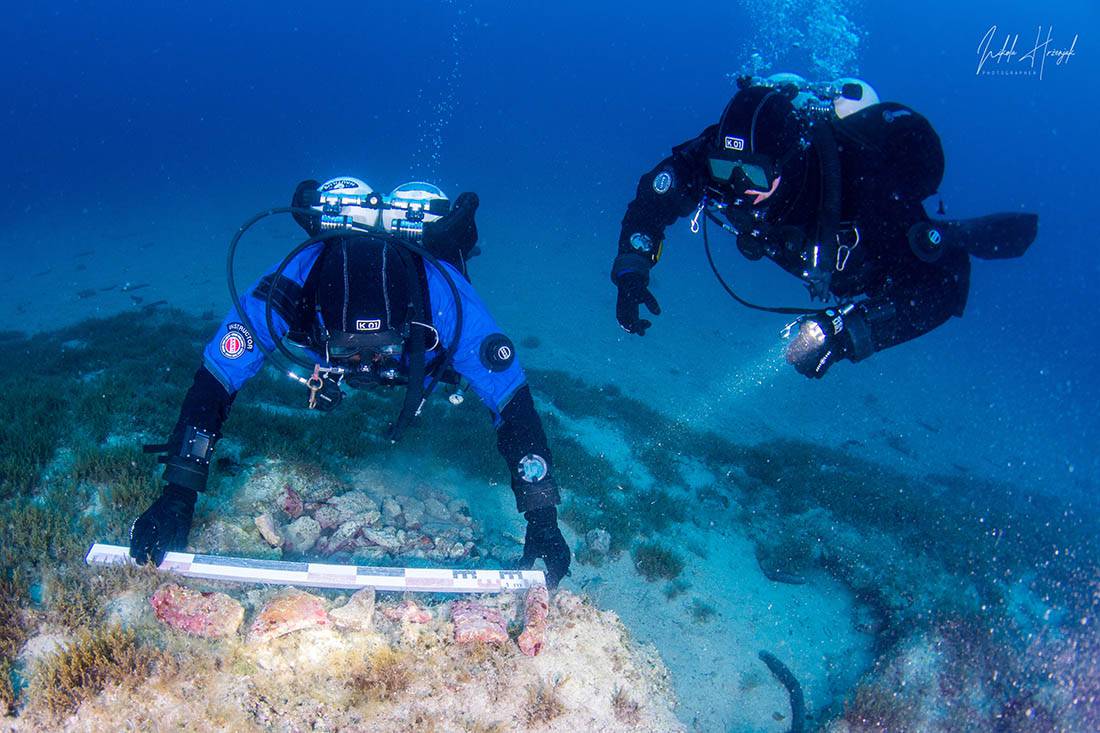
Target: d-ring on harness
x,y
844,251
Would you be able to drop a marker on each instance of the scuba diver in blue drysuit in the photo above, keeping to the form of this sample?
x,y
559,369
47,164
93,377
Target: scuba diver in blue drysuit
x,y
378,295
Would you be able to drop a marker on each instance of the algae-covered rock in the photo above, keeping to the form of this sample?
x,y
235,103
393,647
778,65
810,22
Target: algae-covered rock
x,y
327,516
408,611
211,615
357,614
354,506
412,510
268,531
536,609
290,501
302,534
291,610
223,537
436,509
477,622
391,510
598,541
386,538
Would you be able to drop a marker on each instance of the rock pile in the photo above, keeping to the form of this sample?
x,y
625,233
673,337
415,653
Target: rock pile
x,y
290,610
353,525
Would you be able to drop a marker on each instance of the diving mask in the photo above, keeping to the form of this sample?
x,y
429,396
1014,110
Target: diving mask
x,y
743,171
342,346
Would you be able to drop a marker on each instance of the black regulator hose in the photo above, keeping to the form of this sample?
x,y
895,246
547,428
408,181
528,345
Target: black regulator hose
x,y
722,281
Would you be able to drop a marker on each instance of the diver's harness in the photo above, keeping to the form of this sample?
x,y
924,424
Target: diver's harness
x,y
323,378
828,253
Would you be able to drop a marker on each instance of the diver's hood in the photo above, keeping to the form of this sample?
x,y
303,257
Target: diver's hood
x,y
363,286
759,120
760,131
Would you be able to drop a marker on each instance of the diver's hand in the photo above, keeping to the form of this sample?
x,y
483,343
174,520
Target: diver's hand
x,y
630,273
544,540
458,227
164,526
821,341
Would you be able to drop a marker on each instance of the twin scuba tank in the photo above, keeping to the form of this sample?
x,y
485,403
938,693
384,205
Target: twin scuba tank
x,y
349,203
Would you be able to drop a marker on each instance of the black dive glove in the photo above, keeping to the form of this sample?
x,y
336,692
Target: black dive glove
x,y
164,526
821,341
304,197
456,230
544,540
630,273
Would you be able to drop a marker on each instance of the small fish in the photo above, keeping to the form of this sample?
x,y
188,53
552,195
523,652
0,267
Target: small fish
x,y
129,287
152,306
137,299
87,293
108,289
930,428
85,253
47,271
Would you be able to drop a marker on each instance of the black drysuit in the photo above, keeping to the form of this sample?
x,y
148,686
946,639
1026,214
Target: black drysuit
x,y
890,160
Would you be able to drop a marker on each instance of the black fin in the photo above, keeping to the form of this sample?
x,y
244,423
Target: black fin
x,y
992,237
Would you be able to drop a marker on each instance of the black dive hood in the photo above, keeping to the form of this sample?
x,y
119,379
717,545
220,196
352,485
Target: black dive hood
x,y
416,392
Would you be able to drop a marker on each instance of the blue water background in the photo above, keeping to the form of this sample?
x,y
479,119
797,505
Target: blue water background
x,y
181,119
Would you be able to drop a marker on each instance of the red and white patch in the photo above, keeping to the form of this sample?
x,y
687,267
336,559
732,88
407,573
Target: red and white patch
x,y
236,341
233,345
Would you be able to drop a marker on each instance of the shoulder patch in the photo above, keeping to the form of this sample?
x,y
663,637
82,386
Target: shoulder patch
x,y
236,341
641,242
663,181
532,468
497,352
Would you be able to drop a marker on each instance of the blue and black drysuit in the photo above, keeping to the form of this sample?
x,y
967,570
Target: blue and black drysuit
x,y
484,357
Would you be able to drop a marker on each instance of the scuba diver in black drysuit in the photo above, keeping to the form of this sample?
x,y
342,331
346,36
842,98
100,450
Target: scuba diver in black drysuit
x,y
378,295
826,182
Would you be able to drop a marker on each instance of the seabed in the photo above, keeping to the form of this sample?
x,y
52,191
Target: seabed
x,y
896,602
